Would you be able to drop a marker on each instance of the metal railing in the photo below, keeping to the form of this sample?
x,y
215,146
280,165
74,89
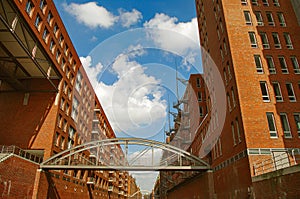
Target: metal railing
x,y
20,152
276,162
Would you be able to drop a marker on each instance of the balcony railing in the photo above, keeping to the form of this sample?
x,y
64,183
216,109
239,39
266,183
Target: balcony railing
x,y
20,152
276,162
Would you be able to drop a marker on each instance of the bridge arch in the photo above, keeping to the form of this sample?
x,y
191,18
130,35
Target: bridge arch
x,y
125,154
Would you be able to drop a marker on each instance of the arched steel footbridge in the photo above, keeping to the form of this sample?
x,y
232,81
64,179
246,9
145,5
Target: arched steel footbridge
x,y
128,154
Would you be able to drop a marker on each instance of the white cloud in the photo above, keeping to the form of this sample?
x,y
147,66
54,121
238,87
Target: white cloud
x,y
129,18
133,103
179,37
91,15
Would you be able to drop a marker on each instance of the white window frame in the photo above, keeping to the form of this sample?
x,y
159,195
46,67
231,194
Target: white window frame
x,y
283,65
248,18
288,40
264,40
285,125
297,122
276,40
295,64
271,65
264,91
265,2
271,125
244,2
281,19
276,3
259,19
253,40
258,64
290,91
277,92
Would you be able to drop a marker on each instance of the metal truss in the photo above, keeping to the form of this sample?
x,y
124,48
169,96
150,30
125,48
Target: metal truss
x,y
128,154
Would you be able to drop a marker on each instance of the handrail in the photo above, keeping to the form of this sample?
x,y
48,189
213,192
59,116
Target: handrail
x,y
20,152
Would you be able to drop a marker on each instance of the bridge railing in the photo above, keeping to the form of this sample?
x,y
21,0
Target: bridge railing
x,y
20,152
276,162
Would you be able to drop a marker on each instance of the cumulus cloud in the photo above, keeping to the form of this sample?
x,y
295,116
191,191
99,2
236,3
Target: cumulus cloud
x,y
91,14
129,18
133,103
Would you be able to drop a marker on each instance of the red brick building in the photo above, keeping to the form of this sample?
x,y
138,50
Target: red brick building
x,y
47,105
255,46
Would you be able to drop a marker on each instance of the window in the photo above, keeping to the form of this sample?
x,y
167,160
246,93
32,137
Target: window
x,y
49,17
253,40
285,125
271,124
276,40
277,92
43,5
254,2
281,19
201,111
229,102
233,133
228,68
45,34
198,82
238,129
290,91
264,91
52,46
58,55
199,96
264,40
295,64
56,139
244,2
276,3
297,122
225,76
265,2
288,40
37,21
225,46
258,64
271,65
259,18
55,29
283,65
247,17
78,83
222,54
233,98
29,8
75,109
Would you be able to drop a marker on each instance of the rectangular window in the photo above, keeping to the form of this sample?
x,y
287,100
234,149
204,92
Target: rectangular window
x,y
225,76
253,40
45,34
78,83
265,2
199,96
264,91
198,82
276,3
271,65
283,65
277,92
37,21
229,102
75,109
290,91
297,122
229,71
254,2
285,125
281,19
56,139
259,18
247,17
51,46
233,98
295,64
244,2
201,111
276,40
29,7
238,129
233,133
270,19
258,64
271,124
43,5
49,17
264,40
288,40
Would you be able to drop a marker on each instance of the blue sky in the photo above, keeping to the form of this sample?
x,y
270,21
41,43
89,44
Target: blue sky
x,y
131,50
